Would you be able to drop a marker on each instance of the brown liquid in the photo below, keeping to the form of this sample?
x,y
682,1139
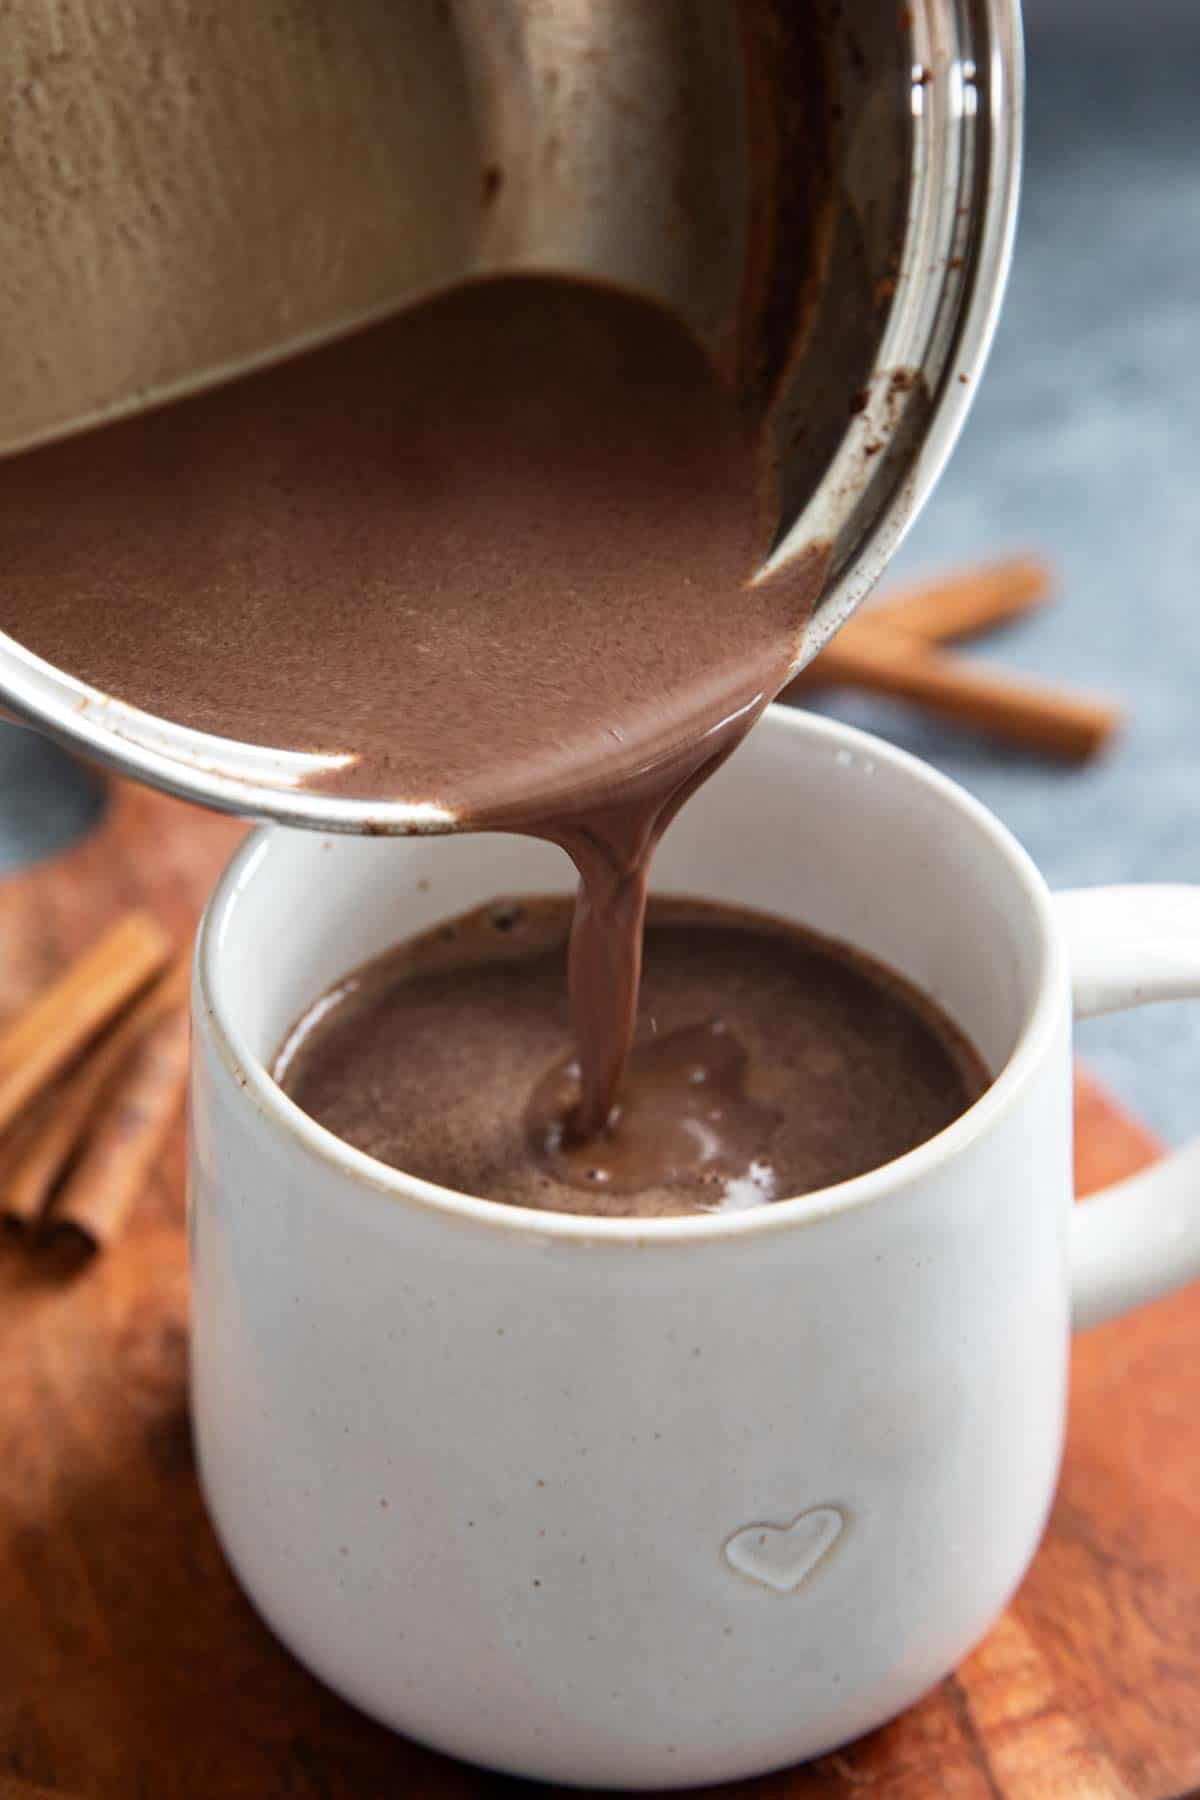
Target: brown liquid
x,y
497,551
769,1062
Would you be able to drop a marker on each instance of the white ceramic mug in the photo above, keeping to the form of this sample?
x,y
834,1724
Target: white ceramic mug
x,y
646,1503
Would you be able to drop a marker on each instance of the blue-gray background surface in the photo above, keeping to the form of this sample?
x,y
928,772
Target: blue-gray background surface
x,y
1084,444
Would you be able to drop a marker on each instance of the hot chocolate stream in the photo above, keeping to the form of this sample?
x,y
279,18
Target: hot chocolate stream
x,y
612,847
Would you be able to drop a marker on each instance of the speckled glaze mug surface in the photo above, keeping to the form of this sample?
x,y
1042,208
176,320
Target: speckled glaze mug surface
x,y
656,1502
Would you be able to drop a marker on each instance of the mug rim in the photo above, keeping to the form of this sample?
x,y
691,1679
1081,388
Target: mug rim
x,y
254,1083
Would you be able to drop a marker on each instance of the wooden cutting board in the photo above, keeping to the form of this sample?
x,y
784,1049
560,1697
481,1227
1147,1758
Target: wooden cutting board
x,y
131,1665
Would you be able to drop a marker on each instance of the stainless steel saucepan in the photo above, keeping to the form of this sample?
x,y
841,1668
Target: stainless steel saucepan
x,y
194,188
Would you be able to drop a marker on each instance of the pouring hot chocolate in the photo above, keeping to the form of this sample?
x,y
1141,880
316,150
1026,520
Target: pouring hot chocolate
x,y
825,226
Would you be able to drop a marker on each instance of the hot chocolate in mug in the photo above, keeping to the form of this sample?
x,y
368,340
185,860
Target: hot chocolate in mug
x,y
650,1502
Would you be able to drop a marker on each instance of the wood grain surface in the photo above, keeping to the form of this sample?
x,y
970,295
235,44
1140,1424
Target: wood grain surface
x,y
131,1665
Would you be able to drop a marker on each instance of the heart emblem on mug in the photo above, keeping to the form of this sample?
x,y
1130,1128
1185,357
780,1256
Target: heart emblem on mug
x,y
782,1557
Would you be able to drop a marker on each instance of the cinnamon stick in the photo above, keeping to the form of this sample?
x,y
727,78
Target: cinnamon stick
x,y
962,604
18,1213
41,1041
42,1148
97,1194
934,612
1020,711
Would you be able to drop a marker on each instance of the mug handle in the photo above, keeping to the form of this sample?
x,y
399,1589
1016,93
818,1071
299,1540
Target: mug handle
x,y
1139,1238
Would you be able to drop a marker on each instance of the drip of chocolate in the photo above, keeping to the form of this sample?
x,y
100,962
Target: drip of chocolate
x,y
611,847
